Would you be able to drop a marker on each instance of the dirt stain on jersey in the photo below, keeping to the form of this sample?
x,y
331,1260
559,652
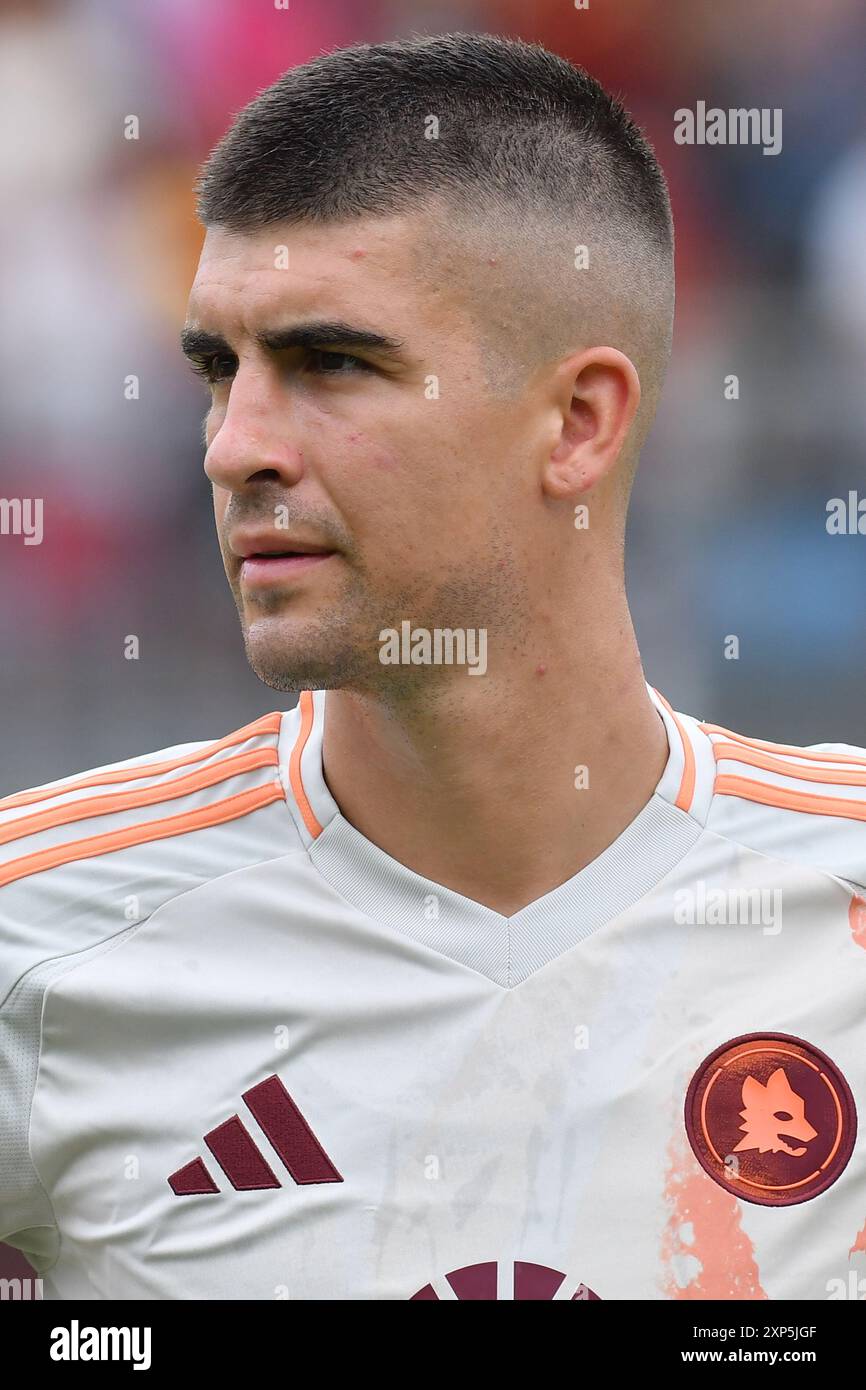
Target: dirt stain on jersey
x,y
857,920
705,1252
859,1242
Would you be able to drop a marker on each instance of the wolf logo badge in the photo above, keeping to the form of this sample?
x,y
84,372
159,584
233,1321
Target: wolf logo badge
x,y
771,1118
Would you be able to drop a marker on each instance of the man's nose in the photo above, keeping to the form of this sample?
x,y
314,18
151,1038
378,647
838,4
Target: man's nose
x,y
253,436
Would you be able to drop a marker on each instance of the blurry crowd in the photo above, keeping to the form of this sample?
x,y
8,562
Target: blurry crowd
x,y
98,245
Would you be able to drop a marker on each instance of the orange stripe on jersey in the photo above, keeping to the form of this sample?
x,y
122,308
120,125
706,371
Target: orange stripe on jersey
x,y
307,712
687,784
813,755
268,724
141,796
834,776
229,809
787,800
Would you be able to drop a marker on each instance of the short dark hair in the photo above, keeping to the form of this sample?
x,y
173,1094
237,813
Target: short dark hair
x,y
532,160
347,134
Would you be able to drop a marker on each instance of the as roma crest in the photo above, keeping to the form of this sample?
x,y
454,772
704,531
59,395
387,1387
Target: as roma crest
x,y
771,1118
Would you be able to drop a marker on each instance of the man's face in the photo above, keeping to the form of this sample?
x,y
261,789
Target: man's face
x,y
355,486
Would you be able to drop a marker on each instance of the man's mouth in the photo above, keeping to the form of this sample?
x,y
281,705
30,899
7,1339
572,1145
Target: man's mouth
x,y
270,559
269,567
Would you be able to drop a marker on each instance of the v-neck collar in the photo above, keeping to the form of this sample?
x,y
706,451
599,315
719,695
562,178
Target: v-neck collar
x,y
505,949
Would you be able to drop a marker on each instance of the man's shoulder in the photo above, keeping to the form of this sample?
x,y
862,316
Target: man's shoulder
x,y
803,803
84,857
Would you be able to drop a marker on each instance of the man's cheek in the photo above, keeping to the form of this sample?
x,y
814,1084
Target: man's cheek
x,y
220,503
385,462
212,423
362,453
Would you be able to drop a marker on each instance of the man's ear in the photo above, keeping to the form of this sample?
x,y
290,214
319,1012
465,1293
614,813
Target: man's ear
x,y
597,397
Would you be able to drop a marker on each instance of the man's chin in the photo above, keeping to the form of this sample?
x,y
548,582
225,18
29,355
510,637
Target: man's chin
x,y
292,660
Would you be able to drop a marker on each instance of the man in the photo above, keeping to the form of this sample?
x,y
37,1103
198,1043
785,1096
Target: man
x,y
480,972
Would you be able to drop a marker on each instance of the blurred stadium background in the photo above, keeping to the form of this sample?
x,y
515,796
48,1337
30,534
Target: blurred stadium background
x,y
98,246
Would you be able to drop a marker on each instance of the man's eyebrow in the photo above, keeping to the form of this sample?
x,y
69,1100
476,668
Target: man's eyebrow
x,y
324,333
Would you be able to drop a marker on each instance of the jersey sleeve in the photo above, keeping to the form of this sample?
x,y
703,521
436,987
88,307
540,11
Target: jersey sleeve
x,y
26,1217
83,860
44,922
857,882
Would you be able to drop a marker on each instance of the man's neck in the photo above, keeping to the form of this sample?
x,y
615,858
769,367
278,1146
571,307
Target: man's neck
x,y
498,789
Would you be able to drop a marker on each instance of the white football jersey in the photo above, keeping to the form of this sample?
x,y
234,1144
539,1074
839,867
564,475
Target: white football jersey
x,y
246,1054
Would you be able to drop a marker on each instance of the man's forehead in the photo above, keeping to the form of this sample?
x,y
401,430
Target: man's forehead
x,y
307,266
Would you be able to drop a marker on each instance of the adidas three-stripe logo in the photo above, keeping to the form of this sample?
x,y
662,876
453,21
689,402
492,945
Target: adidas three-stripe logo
x,y
243,1162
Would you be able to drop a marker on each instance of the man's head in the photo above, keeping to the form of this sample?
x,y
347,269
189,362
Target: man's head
x,y
469,246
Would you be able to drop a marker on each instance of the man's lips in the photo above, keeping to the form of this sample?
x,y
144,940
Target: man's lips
x,y
272,568
269,558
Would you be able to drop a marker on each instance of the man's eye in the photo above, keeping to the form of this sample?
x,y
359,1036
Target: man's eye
x,y
335,363
213,369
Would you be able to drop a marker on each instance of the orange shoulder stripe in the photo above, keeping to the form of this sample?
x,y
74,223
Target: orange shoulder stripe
x,y
267,724
839,776
687,784
229,809
790,800
810,754
307,712
141,796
